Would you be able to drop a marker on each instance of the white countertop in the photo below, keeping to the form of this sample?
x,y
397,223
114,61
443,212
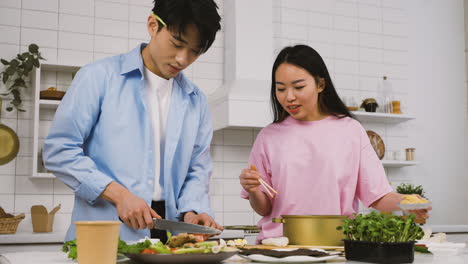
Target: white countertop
x,y
60,258
51,254
32,238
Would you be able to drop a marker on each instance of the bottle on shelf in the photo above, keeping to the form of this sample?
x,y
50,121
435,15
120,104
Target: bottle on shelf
x,y
386,96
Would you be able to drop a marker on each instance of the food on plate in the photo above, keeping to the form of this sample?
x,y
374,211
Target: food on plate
x,y
276,241
147,246
181,244
281,254
237,242
183,238
413,199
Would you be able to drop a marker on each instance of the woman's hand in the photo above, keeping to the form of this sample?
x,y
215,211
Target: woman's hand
x,y
249,179
390,202
421,214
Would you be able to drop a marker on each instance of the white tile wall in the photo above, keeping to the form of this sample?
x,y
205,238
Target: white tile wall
x,y
356,38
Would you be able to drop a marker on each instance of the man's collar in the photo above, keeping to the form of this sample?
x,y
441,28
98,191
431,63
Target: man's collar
x,y
133,60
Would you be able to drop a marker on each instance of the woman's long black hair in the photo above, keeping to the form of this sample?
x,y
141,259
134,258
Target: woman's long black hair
x,y
307,58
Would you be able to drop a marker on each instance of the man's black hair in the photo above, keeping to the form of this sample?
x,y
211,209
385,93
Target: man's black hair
x,y
178,14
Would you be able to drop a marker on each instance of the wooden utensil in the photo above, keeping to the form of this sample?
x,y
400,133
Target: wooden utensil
x,y
377,143
265,185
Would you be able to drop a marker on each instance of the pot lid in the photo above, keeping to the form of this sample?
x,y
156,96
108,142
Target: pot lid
x,y
9,143
316,216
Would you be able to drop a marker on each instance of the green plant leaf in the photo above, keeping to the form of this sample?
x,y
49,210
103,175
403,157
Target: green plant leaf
x,y
15,92
10,70
33,48
14,63
5,77
20,83
40,57
28,65
24,55
9,109
36,63
5,62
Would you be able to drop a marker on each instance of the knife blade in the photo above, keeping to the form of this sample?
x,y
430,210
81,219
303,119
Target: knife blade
x,y
182,227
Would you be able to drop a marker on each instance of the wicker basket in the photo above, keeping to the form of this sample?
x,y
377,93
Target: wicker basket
x,y
51,94
8,223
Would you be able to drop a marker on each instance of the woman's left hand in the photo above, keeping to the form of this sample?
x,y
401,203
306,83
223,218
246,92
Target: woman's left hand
x,y
421,214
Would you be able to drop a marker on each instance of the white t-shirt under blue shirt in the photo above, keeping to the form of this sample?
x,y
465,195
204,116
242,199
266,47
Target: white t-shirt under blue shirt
x,y
159,92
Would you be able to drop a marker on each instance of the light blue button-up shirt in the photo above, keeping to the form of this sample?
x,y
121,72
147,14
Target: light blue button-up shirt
x,y
102,133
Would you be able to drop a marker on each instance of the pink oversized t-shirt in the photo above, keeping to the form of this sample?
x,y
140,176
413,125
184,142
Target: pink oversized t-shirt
x,y
318,168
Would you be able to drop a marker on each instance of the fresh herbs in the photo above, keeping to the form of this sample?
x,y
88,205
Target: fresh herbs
x,y
123,247
410,189
70,247
421,249
378,227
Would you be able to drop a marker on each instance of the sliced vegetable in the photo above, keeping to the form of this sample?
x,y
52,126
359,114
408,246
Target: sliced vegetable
x,y
149,251
160,248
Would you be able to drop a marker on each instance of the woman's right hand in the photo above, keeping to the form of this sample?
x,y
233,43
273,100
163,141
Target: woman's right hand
x,y
249,179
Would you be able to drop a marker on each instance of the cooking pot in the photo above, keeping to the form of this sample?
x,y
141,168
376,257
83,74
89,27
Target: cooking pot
x,y
312,230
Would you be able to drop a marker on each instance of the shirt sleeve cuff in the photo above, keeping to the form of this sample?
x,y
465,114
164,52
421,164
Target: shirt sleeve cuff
x,y
92,187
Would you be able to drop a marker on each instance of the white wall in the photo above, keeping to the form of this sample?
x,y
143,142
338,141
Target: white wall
x,y
437,75
72,32
360,40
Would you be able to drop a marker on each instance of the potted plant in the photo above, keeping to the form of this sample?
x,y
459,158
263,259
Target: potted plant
x,y
15,73
380,238
410,189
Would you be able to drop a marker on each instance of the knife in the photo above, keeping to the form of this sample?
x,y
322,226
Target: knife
x,y
182,227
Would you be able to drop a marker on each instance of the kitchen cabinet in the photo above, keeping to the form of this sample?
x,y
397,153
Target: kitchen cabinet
x,y
385,118
41,107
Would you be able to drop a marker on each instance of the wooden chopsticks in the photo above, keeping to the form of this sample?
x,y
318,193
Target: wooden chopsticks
x,y
265,185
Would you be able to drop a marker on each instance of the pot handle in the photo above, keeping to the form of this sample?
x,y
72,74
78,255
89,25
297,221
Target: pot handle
x,y
278,220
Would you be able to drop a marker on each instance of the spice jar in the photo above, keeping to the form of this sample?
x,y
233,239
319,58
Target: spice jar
x,y
410,153
396,107
370,104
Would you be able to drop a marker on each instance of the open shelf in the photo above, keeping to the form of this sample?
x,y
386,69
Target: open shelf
x,y
381,117
60,68
49,103
43,175
44,106
398,163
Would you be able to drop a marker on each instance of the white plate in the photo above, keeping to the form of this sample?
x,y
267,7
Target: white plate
x,y
290,259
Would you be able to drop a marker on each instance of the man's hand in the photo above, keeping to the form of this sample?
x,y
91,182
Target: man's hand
x,y
132,210
201,219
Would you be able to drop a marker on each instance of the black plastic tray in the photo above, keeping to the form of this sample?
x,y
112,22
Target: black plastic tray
x,y
379,252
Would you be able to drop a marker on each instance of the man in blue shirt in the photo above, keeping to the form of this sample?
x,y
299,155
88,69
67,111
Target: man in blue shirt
x,y
110,141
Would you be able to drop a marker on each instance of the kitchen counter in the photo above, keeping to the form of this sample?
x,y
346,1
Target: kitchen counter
x,y
51,253
60,258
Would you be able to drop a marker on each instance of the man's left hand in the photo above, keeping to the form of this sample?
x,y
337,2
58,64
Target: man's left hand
x,y
201,219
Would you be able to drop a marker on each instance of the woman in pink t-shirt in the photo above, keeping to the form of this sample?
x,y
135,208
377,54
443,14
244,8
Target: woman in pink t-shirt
x,y
315,154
